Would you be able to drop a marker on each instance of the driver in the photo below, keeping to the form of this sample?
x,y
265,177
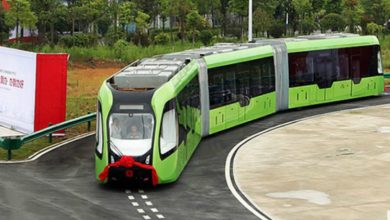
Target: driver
x,y
134,133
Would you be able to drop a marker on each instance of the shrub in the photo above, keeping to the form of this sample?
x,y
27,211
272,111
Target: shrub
x,y
276,30
195,34
233,32
112,37
308,26
119,48
79,40
333,22
374,29
206,36
141,39
161,38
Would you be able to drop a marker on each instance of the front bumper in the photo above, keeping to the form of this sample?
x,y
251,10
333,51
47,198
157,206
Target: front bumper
x,y
127,169
133,175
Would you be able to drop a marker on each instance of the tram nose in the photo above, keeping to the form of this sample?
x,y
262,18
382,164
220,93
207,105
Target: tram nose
x,y
127,169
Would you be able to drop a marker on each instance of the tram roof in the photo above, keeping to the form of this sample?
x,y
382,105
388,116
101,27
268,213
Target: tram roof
x,y
152,72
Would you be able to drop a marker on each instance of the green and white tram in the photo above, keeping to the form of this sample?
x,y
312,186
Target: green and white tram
x,y
153,113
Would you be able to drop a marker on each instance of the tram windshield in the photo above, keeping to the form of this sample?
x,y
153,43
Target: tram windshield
x,y
131,134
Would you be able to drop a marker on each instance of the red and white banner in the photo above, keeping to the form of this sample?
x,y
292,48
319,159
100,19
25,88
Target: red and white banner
x,y
32,89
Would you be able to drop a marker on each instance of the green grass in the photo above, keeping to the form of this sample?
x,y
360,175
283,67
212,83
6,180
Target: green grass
x,y
385,47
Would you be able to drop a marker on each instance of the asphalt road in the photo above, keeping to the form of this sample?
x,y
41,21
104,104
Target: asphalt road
x,y
61,184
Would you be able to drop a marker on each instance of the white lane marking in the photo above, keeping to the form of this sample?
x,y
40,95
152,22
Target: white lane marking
x,y
159,216
250,204
148,213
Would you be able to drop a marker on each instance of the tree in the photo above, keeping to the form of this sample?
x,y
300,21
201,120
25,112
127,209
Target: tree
x,y
333,22
284,10
49,13
170,8
4,28
276,30
150,7
262,20
195,22
185,6
224,4
206,36
376,11
20,15
127,12
352,12
208,9
333,6
303,9
141,20
240,8
374,29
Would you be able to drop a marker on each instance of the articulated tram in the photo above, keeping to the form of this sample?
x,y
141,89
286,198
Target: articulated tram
x,y
153,113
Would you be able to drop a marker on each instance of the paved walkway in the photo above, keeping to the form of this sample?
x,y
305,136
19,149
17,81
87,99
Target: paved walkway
x,y
335,166
6,132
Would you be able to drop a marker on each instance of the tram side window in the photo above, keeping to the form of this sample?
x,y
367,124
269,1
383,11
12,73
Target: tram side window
x,y
222,85
324,68
231,89
195,93
251,79
216,87
243,78
318,67
169,129
267,76
300,72
342,69
255,82
188,99
364,61
99,131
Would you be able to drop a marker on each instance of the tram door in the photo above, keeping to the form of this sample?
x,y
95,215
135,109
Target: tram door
x,y
243,90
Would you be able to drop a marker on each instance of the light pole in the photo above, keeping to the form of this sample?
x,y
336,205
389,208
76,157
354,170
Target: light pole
x,y
250,21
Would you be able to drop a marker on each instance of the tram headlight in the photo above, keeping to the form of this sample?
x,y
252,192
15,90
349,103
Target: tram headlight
x,y
147,160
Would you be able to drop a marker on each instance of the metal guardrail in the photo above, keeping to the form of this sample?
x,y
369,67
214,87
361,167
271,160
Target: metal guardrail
x,y
14,143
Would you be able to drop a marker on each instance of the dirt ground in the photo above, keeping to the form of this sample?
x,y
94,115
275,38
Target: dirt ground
x,y
84,81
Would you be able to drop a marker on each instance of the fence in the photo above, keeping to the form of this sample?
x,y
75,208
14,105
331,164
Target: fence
x,y
15,143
